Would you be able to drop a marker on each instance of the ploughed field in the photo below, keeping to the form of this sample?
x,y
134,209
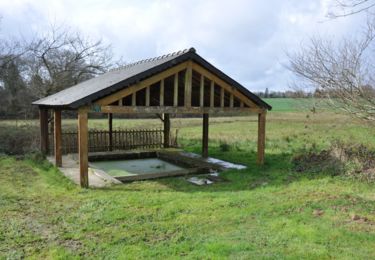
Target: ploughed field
x,y
273,211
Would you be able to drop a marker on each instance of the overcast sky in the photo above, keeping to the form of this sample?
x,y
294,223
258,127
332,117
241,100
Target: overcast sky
x,y
247,39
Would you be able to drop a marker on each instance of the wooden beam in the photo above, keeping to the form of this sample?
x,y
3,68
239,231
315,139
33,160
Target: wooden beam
x,y
212,94
224,84
175,91
167,130
43,120
134,99
110,131
201,95
57,137
205,136
222,94
172,110
261,137
147,96
144,83
188,84
161,98
83,148
231,100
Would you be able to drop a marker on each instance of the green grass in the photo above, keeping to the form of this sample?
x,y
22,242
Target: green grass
x,y
290,104
263,212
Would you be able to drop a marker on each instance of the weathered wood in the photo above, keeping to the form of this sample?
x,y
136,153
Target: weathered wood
x,y
175,90
224,84
205,136
57,137
172,110
222,94
201,94
167,130
212,94
158,175
136,87
161,98
43,120
188,84
83,148
134,99
231,100
241,104
261,137
147,96
110,131
120,102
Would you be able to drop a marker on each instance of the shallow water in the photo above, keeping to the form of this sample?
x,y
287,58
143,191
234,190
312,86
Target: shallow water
x,y
135,167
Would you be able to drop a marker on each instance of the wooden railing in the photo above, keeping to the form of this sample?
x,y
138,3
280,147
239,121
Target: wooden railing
x,y
100,141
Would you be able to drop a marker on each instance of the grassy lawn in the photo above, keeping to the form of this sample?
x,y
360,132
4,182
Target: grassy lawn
x,y
262,212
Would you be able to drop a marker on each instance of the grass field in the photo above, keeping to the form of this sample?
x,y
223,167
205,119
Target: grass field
x,y
264,212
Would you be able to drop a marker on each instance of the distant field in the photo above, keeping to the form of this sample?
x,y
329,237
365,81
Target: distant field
x,y
290,104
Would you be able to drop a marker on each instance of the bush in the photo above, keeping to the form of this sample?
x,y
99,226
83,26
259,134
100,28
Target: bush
x,y
18,140
224,147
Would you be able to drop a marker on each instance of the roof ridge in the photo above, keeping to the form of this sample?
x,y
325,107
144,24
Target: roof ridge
x,y
171,54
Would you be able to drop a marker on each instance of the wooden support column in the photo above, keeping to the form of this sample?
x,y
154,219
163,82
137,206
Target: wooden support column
x,y
231,100
261,137
222,97
201,95
212,94
43,120
188,83
167,130
205,136
110,130
134,99
83,149
175,91
161,98
57,137
147,96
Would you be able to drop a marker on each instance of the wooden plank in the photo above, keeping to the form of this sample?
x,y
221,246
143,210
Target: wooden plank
x,y
57,136
205,136
175,91
201,94
167,130
110,131
134,99
43,120
188,84
231,100
261,137
83,148
161,98
144,83
224,84
222,94
172,110
212,94
147,96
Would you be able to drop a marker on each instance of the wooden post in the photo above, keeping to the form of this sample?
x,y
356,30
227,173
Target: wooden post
x,y
83,149
167,130
212,94
231,100
188,83
261,137
175,92
201,101
110,128
205,136
134,99
147,96
222,97
43,120
161,98
57,137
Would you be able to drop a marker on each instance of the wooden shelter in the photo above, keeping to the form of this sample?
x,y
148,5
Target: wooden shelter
x,y
178,83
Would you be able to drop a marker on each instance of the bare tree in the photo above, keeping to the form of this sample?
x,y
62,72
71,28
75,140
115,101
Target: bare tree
x,y
341,73
342,8
63,58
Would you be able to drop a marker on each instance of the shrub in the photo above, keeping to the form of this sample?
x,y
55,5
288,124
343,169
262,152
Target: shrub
x,y
224,146
18,140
